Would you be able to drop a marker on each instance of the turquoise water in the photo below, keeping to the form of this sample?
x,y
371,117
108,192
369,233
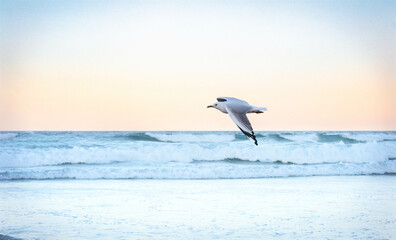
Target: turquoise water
x,y
328,207
197,185
193,155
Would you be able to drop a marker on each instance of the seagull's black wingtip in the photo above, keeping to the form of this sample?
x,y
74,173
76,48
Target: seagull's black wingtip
x,y
255,140
250,135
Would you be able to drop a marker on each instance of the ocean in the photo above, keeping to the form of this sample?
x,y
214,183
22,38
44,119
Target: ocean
x,y
198,185
193,155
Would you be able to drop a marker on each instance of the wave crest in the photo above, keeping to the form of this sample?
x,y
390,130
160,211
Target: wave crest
x,y
192,137
153,152
206,171
5,136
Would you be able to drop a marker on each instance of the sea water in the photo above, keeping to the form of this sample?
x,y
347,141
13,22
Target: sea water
x,y
193,155
198,185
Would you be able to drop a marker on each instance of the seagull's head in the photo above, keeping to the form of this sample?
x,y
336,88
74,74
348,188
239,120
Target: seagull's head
x,y
219,106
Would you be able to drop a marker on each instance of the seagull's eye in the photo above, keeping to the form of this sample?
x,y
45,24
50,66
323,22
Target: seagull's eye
x,y
215,104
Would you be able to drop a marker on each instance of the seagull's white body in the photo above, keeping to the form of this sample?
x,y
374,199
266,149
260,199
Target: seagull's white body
x,y
237,109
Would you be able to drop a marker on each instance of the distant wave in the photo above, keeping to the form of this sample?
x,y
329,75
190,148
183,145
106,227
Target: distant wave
x,y
370,136
312,137
257,162
137,137
7,135
187,152
193,155
302,137
204,171
192,137
219,137
328,138
58,156
197,137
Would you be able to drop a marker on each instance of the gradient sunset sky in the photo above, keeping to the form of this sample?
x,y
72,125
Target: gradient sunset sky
x,y
156,65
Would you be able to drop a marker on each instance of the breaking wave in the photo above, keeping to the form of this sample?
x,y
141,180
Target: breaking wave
x,y
204,171
7,135
193,155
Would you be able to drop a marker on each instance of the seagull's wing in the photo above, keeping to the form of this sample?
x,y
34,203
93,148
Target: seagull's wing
x,y
240,119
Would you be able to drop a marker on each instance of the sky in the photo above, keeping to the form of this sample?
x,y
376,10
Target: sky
x,y
156,65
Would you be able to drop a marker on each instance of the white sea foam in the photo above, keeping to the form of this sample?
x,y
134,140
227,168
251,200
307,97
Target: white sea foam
x,y
370,136
7,135
192,137
192,155
302,137
56,156
187,152
204,171
360,207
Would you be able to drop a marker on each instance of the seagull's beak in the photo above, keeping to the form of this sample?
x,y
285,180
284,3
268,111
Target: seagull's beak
x,y
209,106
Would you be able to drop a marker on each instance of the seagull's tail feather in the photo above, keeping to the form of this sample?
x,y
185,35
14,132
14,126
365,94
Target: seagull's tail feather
x,y
250,135
257,109
261,108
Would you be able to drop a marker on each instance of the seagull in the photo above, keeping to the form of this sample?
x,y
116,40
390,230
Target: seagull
x,y
237,110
